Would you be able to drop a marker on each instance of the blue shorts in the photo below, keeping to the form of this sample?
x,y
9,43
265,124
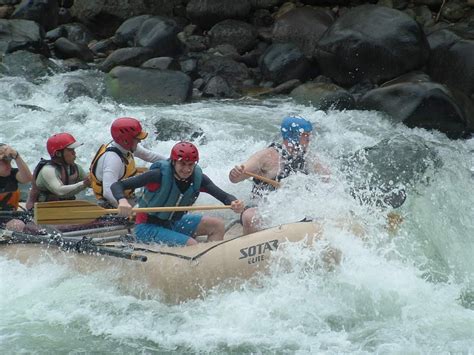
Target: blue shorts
x,y
178,234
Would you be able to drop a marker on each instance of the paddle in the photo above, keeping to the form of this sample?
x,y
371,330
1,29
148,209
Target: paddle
x,y
80,212
84,244
274,183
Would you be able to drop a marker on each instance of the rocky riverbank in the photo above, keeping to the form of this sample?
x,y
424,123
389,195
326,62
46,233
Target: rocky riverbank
x,y
413,60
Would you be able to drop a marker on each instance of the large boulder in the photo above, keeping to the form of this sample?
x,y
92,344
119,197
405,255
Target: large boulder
x,y
148,86
233,72
302,26
384,174
20,34
452,60
44,12
125,34
424,104
64,49
285,61
159,34
207,13
30,66
133,56
373,43
323,96
104,17
241,35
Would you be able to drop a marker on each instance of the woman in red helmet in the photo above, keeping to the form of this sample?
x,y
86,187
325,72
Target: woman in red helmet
x,y
174,182
59,178
115,161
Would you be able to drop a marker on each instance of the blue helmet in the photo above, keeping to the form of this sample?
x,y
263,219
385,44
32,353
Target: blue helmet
x,y
293,127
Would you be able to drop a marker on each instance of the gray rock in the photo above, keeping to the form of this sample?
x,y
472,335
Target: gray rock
x,y
44,12
239,34
125,34
360,46
148,86
158,34
218,87
284,61
64,49
29,65
171,129
20,34
207,13
324,96
134,56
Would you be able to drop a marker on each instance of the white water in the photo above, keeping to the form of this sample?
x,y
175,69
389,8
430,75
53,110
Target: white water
x,y
409,292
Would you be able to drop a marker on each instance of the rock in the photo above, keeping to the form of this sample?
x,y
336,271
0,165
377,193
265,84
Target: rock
x,y
323,96
373,43
284,61
29,65
423,104
162,63
207,13
76,89
20,34
302,26
384,174
239,34
452,59
103,47
125,34
218,87
104,17
158,34
233,72
171,129
78,33
148,86
43,12
134,56
64,49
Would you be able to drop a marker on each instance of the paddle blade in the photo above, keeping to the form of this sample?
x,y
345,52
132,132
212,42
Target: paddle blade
x,y
67,212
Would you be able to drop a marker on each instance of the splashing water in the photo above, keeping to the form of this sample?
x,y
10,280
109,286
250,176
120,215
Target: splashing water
x,y
406,291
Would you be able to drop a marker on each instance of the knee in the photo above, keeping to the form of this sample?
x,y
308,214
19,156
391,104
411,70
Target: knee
x,y
248,217
214,222
15,225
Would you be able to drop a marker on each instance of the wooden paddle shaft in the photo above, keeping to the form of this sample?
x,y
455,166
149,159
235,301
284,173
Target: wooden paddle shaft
x,y
274,183
171,209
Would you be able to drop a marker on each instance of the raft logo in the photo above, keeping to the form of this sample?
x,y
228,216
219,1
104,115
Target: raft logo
x,y
255,253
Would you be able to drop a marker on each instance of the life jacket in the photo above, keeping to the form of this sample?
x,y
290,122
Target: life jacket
x,y
291,164
167,193
67,176
10,193
129,171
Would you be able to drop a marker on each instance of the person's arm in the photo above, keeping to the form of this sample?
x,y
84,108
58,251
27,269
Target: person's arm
x,y
112,170
147,155
54,184
23,175
135,182
321,170
255,164
208,186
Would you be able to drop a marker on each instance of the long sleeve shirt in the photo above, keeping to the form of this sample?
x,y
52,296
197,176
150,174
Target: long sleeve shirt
x,y
155,176
110,167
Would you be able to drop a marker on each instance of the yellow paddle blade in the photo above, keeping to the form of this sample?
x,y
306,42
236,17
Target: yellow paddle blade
x,y
80,212
67,212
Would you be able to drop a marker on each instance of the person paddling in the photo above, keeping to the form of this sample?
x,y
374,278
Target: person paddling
x,y
177,181
277,162
115,161
59,178
9,191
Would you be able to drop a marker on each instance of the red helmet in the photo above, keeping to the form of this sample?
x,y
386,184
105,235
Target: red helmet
x,y
125,129
60,141
185,151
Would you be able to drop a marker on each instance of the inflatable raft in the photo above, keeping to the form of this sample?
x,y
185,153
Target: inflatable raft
x,y
177,273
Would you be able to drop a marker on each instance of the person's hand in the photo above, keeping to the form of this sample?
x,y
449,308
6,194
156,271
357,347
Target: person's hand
x,y
7,152
124,208
87,180
237,172
237,206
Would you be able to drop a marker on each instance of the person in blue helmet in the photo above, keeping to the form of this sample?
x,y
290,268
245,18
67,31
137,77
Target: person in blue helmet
x,y
276,162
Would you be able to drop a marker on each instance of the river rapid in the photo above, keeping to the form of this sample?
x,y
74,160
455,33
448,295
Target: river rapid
x,y
408,291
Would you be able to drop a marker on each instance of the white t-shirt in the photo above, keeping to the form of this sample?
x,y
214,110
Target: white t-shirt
x,y
110,168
